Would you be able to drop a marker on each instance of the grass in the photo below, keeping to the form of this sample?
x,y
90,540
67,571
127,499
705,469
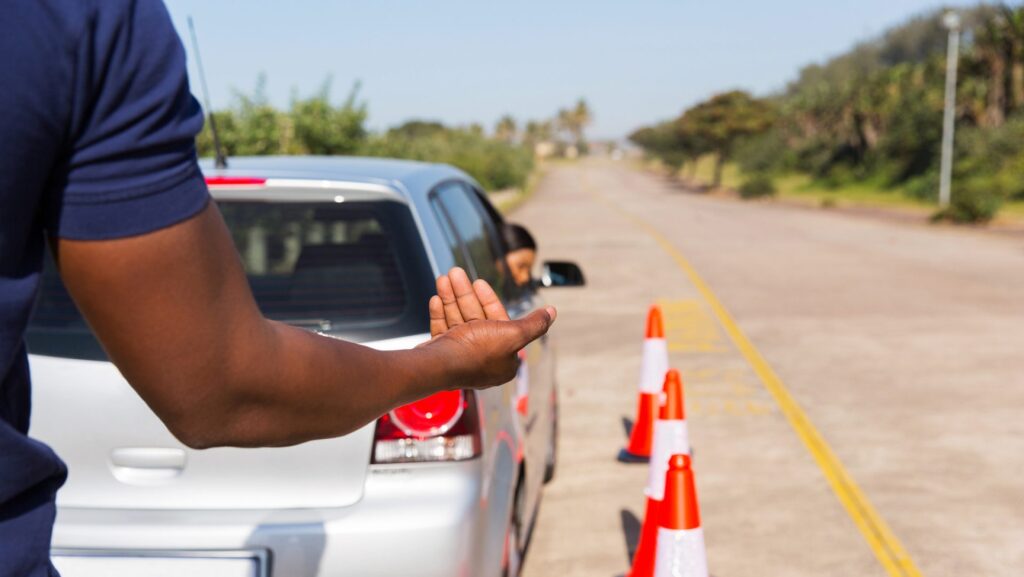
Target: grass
x,y
801,187
804,189
1013,209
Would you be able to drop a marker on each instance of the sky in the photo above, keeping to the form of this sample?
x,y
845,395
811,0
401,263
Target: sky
x,y
463,61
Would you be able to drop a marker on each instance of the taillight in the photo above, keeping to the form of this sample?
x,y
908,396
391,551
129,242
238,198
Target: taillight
x,y
234,181
442,427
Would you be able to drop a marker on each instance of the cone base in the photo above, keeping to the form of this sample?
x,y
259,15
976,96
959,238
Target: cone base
x,y
629,458
642,435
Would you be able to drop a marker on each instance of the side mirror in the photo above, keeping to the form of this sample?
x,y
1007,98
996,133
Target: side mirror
x,y
561,274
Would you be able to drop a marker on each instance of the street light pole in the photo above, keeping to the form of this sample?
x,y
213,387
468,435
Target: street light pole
x,y
952,23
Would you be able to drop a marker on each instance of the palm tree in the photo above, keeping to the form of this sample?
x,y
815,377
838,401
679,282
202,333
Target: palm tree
x,y
1015,35
506,129
574,121
991,44
537,131
582,117
565,122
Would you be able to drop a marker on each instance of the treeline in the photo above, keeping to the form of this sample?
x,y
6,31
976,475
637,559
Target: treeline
x,y
874,116
314,125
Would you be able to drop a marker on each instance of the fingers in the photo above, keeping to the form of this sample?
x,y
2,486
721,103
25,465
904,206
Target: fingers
x,y
450,305
489,301
534,325
438,324
459,301
469,303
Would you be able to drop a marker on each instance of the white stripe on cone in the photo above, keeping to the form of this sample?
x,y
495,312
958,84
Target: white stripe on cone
x,y
670,438
680,553
654,367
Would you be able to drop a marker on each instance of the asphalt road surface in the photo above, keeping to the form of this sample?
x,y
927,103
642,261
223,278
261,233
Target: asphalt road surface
x,y
855,388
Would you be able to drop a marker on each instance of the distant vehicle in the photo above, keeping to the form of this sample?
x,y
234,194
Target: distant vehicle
x,y
347,247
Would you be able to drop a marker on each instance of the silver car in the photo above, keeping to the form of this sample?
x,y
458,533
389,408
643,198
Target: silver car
x,y
347,247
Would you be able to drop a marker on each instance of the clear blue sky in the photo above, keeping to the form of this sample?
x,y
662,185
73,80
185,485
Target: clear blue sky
x,y
462,61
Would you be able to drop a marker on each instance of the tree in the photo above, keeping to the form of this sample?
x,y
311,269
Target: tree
x,y
321,128
417,129
259,124
506,129
1014,18
574,120
666,142
720,122
991,43
537,131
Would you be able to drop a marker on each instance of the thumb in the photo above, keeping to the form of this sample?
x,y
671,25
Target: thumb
x,y
534,325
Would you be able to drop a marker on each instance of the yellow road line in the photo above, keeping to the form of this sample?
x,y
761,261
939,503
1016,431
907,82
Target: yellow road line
x,y
886,547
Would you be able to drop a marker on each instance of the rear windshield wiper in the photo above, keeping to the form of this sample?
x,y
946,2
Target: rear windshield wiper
x,y
315,324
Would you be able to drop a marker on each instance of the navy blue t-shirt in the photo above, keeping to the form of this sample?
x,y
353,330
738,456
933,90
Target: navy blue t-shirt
x,y
97,141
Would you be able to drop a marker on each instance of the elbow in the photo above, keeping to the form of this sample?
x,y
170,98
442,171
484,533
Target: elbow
x,y
196,434
221,420
233,421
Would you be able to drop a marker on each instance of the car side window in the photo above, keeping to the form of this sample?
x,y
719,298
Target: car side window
x,y
458,251
476,236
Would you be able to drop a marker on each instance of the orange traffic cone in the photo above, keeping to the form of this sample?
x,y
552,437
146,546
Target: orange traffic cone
x,y
681,551
652,376
670,438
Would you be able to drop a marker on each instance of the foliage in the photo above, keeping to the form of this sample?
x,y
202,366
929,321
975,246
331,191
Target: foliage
x,y
252,127
760,153
495,164
663,141
977,201
506,130
323,129
315,125
874,114
717,124
574,121
757,186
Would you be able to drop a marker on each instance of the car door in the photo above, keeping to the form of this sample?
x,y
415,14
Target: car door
x,y
474,225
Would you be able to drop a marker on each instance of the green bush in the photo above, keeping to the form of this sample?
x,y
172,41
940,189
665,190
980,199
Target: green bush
x,y
977,201
494,164
757,186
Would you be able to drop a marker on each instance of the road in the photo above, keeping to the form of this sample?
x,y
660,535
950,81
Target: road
x,y
854,387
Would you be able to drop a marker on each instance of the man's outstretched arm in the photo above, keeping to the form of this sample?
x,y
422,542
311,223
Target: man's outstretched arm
x,y
175,313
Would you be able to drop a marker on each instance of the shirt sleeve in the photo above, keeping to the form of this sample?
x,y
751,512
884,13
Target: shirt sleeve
x,y
131,160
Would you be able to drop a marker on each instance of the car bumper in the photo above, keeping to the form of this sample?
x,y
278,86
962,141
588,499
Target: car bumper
x,y
412,520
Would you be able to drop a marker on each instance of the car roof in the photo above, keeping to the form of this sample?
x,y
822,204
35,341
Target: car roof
x,y
407,177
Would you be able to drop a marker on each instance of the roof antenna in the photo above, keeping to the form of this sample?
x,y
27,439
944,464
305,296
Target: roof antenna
x,y
220,160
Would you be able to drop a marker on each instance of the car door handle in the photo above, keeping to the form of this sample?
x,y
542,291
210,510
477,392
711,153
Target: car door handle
x,y
147,465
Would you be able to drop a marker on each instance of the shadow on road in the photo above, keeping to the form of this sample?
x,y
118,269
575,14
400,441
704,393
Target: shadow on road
x,y
627,424
631,532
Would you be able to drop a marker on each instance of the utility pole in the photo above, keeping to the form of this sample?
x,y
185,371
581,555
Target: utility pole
x,y
951,20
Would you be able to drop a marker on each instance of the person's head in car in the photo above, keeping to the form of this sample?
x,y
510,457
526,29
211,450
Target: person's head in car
x,y
522,253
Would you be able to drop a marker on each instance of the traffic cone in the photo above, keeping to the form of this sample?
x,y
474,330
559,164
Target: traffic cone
x,y
681,551
670,438
652,376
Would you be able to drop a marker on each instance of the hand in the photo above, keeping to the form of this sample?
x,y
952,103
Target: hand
x,y
459,301
472,332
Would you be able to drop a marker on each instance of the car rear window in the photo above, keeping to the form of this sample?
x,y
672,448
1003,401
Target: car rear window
x,y
356,270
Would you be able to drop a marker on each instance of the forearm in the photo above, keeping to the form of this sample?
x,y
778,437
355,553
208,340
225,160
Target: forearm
x,y
291,386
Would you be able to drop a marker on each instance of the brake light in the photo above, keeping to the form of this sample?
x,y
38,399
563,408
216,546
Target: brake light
x,y
234,181
442,427
431,416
